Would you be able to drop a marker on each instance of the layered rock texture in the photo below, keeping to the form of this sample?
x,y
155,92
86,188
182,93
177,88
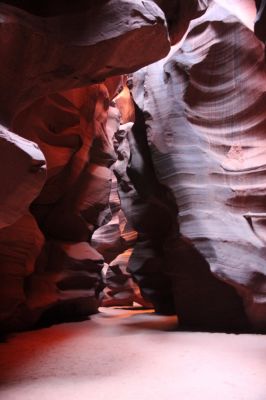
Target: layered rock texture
x,y
162,183
56,146
204,113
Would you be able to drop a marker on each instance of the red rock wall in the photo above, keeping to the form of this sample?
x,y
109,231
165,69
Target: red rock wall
x,y
188,156
56,178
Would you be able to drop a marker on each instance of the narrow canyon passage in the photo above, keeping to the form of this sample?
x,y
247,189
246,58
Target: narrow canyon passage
x,y
131,354
133,200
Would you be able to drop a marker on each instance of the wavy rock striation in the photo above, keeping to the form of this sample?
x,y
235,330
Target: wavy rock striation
x,y
204,111
151,214
53,58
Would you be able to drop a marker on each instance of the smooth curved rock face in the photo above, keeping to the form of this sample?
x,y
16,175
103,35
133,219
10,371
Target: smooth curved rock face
x,y
51,54
42,55
22,176
151,214
115,239
44,58
244,10
204,109
72,130
179,13
116,236
20,245
196,151
120,288
66,283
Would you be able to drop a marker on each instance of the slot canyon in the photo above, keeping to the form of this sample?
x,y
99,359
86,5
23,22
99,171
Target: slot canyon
x,y
133,199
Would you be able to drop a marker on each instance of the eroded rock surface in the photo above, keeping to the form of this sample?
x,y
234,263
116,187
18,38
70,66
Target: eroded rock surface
x,y
204,109
41,55
54,61
144,201
188,156
22,176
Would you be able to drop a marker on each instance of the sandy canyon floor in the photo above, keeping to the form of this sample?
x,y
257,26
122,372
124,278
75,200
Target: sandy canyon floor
x,y
131,354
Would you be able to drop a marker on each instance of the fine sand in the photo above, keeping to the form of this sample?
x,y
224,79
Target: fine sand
x,y
130,354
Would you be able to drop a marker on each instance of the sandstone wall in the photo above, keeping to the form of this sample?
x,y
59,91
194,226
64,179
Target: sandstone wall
x,y
56,148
